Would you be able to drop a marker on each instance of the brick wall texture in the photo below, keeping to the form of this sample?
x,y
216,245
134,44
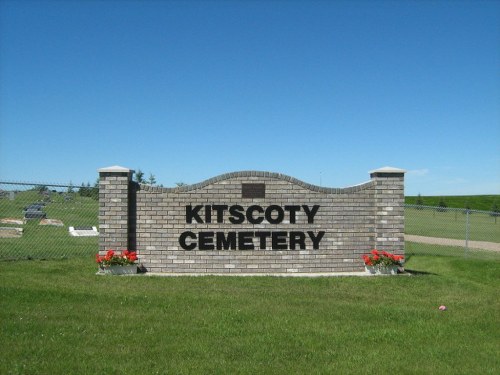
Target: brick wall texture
x,y
113,210
152,220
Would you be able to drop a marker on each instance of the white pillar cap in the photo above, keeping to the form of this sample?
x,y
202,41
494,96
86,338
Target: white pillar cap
x,y
115,169
388,170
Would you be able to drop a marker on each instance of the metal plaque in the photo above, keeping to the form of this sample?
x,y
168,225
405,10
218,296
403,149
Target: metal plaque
x,y
253,190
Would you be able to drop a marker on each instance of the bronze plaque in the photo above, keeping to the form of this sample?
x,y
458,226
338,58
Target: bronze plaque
x,y
253,190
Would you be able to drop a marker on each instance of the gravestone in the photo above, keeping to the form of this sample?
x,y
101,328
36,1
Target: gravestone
x,y
9,220
10,232
83,231
53,222
34,207
34,215
34,211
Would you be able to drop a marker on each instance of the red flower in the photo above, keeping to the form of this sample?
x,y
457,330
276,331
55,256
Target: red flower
x,y
376,257
111,258
386,254
374,252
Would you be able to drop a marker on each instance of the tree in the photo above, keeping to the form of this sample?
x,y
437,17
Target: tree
x,y
467,205
83,191
442,205
151,179
89,191
419,202
139,176
495,211
94,192
178,184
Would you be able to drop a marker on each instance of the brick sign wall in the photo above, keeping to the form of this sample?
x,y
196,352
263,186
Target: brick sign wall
x,y
251,222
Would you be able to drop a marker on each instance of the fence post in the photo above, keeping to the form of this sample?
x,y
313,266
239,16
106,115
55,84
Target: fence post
x,y
389,209
114,185
467,231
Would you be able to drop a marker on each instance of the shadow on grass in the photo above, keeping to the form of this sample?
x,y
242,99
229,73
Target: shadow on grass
x,y
419,273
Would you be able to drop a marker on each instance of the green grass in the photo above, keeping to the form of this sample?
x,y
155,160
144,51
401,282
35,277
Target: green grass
x,y
451,224
49,241
413,248
77,211
475,202
58,317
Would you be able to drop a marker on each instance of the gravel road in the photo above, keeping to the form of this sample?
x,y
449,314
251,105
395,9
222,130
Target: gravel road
x,y
483,245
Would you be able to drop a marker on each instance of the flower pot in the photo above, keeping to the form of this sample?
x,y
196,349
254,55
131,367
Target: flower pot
x,y
130,269
371,269
388,270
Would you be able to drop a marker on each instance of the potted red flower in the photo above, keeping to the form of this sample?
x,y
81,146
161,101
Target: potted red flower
x,y
382,262
117,264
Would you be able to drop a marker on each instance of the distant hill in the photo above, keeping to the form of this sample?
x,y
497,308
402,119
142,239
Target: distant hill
x,y
474,202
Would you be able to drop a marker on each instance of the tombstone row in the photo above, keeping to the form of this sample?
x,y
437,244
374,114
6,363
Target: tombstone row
x,y
34,211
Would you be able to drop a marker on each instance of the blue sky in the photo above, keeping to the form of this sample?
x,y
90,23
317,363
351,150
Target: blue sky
x,y
324,91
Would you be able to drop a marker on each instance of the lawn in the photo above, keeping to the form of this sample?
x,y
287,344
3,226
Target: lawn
x,y
58,317
474,202
451,224
49,241
412,248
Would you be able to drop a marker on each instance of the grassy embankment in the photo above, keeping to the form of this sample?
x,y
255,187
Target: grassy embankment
x,y
474,202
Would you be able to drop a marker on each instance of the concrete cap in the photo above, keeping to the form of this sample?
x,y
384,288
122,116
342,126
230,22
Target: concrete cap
x,y
115,169
388,170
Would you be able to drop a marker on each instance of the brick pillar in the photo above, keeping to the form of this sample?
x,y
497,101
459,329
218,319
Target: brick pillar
x,y
389,209
114,185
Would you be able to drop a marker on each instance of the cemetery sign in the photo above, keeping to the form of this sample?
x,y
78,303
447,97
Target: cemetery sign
x,y
251,222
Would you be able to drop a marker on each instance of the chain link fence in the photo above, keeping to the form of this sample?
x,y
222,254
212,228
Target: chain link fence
x,y
42,221
450,231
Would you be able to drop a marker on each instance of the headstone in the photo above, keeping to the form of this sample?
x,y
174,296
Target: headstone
x,y
33,207
84,228
34,215
83,231
10,232
53,222
34,211
46,196
9,220
12,195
